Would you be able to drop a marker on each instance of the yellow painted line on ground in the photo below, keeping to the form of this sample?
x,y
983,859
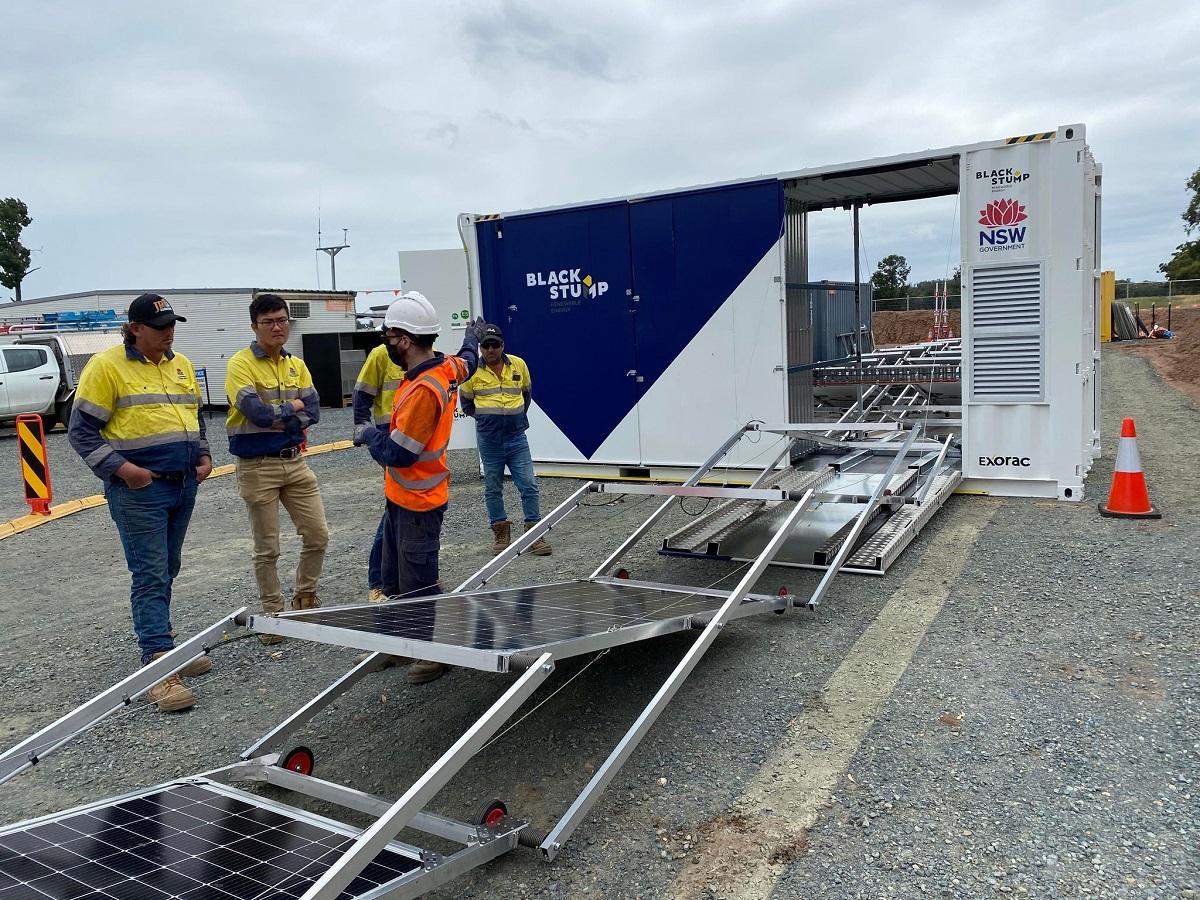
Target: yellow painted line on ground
x,y
747,851
70,507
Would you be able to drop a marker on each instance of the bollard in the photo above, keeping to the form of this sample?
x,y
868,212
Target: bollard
x,y
35,466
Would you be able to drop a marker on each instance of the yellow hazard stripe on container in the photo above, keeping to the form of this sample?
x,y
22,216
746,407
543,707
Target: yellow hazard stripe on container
x,y
33,463
489,217
70,507
1030,138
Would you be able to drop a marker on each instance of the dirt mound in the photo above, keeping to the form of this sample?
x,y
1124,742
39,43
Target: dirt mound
x,y
909,327
1177,360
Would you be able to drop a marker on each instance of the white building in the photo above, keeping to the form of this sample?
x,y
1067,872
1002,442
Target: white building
x,y
218,325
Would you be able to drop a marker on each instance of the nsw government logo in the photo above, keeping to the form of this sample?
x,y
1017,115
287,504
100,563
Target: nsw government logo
x,y
1001,226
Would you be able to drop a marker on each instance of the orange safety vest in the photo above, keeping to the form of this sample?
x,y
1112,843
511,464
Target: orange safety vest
x,y
425,485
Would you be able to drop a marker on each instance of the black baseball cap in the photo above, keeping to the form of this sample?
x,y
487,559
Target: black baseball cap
x,y
492,333
153,310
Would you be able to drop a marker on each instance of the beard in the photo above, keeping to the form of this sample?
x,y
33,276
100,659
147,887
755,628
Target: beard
x,y
396,356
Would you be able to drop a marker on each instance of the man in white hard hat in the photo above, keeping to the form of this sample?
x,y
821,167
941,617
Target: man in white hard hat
x,y
413,451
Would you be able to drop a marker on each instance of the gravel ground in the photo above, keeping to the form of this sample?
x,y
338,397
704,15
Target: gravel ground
x,y
1041,740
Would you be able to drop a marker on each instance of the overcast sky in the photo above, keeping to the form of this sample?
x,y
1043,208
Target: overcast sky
x,y
188,145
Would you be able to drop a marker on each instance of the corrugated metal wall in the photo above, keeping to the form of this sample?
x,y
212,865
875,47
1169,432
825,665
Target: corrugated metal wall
x,y
799,314
218,323
833,318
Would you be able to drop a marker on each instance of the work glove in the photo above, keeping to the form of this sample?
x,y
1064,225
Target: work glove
x,y
361,432
475,329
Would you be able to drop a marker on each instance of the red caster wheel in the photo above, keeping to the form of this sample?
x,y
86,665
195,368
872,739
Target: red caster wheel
x,y
298,759
491,814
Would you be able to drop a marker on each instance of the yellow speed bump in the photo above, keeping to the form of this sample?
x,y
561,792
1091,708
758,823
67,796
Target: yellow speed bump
x,y
70,507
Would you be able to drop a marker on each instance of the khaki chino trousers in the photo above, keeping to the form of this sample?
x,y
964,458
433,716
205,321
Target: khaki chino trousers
x,y
265,482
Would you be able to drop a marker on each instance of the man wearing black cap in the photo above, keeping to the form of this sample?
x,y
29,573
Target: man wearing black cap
x,y
137,425
498,396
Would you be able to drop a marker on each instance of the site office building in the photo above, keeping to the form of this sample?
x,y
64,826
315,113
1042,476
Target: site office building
x,y
218,326
655,325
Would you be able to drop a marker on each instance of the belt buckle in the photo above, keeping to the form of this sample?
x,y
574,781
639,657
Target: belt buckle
x,y
290,453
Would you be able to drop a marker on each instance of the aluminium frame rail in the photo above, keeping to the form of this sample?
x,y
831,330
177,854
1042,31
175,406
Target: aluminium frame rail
x,y
709,612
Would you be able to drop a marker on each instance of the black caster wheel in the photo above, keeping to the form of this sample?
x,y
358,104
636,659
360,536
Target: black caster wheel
x,y
298,759
491,814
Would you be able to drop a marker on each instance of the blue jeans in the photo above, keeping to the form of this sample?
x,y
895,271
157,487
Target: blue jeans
x,y
152,522
512,451
375,557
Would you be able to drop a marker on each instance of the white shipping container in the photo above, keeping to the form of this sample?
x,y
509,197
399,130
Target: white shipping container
x,y
218,321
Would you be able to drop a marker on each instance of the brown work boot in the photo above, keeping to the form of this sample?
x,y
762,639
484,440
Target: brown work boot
x,y
201,665
171,694
422,672
306,600
503,533
268,640
388,661
538,547
376,595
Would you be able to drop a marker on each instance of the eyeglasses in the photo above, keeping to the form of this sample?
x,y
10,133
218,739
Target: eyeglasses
x,y
491,345
274,323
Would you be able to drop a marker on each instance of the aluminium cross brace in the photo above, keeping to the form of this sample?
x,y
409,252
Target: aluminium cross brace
x,y
40,744
616,759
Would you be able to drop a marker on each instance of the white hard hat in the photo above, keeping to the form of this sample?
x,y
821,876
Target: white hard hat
x,y
411,312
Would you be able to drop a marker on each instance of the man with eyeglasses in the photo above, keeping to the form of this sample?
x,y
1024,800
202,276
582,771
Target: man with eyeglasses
x,y
271,402
137,424
498,396
413,453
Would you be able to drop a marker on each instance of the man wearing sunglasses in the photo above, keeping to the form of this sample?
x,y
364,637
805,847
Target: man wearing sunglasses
x,y
498,396
137,425
271,402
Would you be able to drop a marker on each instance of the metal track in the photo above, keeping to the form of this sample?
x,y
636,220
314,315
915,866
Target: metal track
x,y
712,526
879,550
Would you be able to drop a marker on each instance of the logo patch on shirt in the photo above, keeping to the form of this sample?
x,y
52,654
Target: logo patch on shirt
x,y
292,371
180,374
516,376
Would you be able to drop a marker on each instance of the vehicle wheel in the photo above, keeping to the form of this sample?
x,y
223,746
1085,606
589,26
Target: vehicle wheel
x,y
298,759
491,814
63,414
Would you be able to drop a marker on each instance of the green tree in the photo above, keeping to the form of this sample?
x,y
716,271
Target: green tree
x,y
891,277
1186,261
14,256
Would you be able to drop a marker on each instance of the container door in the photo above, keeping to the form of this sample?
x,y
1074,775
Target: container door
x,y
558,284
706,308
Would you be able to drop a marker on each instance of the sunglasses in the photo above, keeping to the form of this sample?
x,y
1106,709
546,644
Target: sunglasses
x,y
491,345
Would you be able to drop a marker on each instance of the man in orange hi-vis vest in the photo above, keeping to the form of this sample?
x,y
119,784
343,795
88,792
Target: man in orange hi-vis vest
x,y
412,451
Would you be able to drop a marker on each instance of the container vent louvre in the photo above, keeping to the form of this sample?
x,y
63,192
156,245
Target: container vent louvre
x,y
1006,323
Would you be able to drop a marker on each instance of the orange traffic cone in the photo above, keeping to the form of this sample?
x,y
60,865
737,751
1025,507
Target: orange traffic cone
x,y
1128,498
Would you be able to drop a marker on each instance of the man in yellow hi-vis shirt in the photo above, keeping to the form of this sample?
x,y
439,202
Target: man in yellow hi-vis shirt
x,y
136,423
271,402
374,391
498,396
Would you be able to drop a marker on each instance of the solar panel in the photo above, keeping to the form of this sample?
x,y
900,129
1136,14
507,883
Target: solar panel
x,y
191,841
511,619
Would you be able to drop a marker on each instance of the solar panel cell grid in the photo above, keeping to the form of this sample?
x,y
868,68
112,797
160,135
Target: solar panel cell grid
x,y
190,841
513,619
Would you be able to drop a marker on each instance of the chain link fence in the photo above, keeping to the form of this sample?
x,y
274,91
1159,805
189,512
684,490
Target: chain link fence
x,y
903,304
1134,290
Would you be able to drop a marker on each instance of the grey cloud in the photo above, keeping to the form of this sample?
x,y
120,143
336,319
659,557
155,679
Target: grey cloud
x,y
529,31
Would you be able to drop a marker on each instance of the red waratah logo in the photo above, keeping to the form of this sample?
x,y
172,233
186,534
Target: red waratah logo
x,y
1002,212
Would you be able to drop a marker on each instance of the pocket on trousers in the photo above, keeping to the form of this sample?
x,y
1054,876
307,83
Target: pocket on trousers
x,y
420,553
